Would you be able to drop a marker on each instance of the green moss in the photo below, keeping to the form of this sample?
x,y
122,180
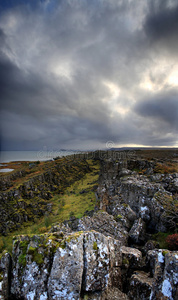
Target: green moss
x,y
3,253
73,236
22,260
38,258
125,205
31,250
125,261
95,247
23,245
62,244
22,257
119,216
164,252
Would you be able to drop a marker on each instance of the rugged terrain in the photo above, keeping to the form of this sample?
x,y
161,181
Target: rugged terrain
x,y
116,250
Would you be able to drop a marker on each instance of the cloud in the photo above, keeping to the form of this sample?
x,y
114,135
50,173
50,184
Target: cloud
x,y
79,73
161,24
161,106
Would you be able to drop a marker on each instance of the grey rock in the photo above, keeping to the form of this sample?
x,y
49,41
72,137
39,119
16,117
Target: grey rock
x,y
102,260
5,267
58,266
65,279
31,260
106,224
150,245
138,232
109,294
131,257
164,268
145,213
140,286
122,212
124,172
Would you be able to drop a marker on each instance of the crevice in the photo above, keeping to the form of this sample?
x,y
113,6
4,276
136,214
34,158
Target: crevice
x,y
51,259
10,276
83,286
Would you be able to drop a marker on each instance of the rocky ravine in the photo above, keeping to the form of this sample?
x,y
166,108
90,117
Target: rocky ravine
x,y
107,255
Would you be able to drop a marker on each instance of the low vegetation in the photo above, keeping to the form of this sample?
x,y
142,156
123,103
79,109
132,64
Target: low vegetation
x,y
172,241
166,168
75,198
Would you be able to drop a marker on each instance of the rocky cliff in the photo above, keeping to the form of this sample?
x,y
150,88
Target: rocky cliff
x,y
107,254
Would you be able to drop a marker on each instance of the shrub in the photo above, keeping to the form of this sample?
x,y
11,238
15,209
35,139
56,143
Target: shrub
x,y
165,168
172,241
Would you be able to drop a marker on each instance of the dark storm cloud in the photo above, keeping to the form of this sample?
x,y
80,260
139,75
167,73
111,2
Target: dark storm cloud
x,y
161,24
162,20
163,107
72,71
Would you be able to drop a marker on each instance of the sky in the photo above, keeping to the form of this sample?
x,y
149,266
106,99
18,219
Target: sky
x,y
88,74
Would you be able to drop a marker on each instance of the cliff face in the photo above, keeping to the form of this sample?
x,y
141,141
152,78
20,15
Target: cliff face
x,y
108,254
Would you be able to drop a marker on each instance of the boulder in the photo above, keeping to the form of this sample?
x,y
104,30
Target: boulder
x,y
140,286
106,224
137,233
164,269
131,261
121,211
131,257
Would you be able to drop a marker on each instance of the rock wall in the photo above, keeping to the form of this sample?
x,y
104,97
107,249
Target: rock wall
x,y
54,266
149,196
85,265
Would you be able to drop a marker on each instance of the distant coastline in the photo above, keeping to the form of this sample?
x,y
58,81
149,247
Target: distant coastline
x,y
9,156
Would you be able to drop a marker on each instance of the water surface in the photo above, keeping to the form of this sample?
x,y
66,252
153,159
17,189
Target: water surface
x,y
8,156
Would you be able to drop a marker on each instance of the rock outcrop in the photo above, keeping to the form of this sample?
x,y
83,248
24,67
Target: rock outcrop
x,y
106,255
66,267
163,266
149,197
85,265
101,222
